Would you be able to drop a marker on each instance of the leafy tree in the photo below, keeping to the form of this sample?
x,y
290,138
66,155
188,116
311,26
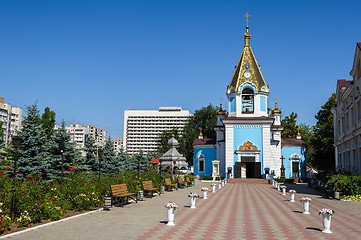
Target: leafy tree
x,y
31,152
321,144
205,118
290,126
48,122
164,137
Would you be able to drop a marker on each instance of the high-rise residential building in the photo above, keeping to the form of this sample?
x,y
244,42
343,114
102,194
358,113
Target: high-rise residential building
x,y
79,132
11,118
118,144
142,127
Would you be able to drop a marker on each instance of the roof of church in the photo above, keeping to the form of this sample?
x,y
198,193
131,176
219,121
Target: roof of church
x,y
248,118
293,141
204,141
247,63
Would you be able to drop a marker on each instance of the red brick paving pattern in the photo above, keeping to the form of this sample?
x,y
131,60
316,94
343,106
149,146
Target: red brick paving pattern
x,y
250,211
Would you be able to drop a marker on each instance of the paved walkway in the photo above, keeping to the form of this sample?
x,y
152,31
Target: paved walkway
x,y
237,211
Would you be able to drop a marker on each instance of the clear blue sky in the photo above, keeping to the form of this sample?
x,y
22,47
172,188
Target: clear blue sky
x,y
90,60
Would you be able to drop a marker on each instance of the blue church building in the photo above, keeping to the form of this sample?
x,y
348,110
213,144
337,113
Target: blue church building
x,y
248,140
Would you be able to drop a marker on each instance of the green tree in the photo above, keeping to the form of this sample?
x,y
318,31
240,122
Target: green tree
x,y
165,136
205,118
54,157
89,162
290,126
110,163
321,143
48,123
31,161
1,135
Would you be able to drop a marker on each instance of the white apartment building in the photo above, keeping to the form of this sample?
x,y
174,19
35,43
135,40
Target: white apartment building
x,y
118,144
11,118
347,119
142,127
79,132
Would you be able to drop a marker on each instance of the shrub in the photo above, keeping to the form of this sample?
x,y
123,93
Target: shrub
x,y
289,180
280,180
207,178
346,185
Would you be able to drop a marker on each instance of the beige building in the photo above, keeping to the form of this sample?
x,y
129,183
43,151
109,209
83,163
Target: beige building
x,y
347,119
79,132
118,144
142,127
11,118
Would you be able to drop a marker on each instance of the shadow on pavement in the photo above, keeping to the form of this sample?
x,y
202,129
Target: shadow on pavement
x,y
316,229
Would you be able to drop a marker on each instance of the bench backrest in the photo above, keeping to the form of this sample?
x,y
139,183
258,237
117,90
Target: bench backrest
x,y
147,185
168,181
188,180
119,189
180,180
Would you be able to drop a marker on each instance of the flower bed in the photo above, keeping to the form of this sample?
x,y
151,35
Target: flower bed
x,y
38,200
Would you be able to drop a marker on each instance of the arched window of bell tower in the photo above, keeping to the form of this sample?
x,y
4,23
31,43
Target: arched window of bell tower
x,y
247,100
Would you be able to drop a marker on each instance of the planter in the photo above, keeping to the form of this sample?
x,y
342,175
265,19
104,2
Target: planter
x,y
141,195
193,202
107,203
213,188
222,183
326,222
337,195
273,182
170,217
204,194
219,185
283,191
292,197
306,207
278,187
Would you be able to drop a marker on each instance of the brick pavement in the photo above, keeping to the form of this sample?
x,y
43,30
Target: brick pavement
x,y
237,211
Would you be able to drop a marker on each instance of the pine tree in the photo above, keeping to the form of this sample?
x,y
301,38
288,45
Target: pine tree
x,y
110,162
89,162
31,152
54,157
122,159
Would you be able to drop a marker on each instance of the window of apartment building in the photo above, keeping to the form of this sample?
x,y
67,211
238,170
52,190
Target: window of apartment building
x,y
347,121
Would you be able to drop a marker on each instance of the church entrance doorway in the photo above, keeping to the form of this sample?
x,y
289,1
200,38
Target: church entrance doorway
x,y
247,168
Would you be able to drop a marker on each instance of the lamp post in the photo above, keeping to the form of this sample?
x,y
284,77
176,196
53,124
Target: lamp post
x,y
17,141
100,156
160,174
282,168
61,149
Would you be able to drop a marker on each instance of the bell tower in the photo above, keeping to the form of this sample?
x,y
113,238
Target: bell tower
x,y
247,93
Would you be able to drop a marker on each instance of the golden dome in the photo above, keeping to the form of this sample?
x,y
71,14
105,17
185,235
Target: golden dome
x,y
276,110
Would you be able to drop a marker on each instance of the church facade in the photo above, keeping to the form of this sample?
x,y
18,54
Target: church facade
x,y
248,142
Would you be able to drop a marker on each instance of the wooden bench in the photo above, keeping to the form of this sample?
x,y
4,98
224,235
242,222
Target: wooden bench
x,y
168,184
181,182
148,187
189,182
121,191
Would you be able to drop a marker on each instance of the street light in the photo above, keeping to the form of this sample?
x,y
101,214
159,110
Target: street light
x,y
100,156
282,168
61,149
17,141
160,174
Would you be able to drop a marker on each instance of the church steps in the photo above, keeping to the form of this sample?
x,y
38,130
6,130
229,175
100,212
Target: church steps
x,y
248,180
